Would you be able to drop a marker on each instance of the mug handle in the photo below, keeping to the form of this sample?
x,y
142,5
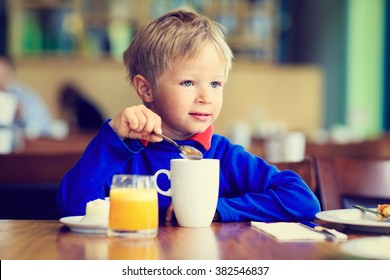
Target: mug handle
x,y
166,172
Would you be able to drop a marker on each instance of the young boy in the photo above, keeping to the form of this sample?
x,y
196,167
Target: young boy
x,y
178,65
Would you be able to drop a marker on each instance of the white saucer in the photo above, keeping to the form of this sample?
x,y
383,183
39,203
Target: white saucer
x,y
76,224
368,248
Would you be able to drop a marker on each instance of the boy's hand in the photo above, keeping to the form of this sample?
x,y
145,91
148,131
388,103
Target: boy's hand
x,y
169,214
137,122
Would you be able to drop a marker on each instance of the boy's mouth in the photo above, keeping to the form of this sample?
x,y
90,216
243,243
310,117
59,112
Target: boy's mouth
x,y
201,116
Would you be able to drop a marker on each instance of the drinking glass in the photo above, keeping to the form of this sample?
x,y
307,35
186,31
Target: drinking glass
x,y
133,207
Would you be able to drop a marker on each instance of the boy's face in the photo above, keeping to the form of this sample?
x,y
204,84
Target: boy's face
x,y
190,93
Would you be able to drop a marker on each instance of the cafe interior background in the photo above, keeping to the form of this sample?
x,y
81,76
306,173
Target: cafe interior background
x,y
320,68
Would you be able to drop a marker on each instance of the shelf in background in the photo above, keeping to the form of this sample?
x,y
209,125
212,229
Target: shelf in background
x,y
102,28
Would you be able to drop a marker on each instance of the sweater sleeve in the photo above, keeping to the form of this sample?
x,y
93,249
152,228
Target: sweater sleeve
x,y
253,190
91,176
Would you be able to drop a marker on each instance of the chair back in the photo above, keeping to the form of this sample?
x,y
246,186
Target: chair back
x,y
304,168
345,181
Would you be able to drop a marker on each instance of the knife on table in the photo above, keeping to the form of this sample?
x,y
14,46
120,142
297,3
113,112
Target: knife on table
x,y
320,229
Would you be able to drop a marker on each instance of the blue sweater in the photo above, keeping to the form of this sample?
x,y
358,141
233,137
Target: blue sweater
x,y
250,189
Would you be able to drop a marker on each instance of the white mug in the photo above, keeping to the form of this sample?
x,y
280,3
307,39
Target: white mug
x,y
194,190
286,147
294,146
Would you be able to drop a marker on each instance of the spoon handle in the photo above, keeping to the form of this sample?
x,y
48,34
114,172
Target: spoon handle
x,y
167,139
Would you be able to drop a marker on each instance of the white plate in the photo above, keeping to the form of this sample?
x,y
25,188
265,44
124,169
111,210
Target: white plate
x,y
76,224
370,247
355,219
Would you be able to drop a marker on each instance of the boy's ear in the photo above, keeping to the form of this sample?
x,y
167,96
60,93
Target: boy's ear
x,y
143,88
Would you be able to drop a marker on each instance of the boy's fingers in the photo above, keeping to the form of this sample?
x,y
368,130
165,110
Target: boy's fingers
x,y
137,122
169,214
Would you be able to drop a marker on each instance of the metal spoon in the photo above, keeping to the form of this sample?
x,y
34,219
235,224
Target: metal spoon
x,y
187,152
382,218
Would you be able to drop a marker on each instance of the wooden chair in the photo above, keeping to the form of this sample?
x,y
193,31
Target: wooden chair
x,y
305,169
345,181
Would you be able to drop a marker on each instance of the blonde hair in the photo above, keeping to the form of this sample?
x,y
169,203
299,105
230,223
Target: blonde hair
x,y
177,34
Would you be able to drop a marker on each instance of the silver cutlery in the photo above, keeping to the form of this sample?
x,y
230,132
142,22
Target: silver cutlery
x,y
320,229
365,209
187,152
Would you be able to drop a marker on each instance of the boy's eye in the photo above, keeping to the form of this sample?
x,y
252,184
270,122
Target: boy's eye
x,y
187,83
215,84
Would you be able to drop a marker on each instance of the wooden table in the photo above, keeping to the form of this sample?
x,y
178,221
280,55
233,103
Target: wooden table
x,y
49,239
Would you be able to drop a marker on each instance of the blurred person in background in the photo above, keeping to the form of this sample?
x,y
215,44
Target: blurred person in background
x,y
32,114
77,110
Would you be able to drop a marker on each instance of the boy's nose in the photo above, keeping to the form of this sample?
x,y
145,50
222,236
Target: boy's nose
x,y
204,96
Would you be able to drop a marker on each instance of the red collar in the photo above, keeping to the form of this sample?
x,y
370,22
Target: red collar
x,y
203,138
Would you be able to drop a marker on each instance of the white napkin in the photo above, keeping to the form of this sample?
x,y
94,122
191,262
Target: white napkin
x,y
284,231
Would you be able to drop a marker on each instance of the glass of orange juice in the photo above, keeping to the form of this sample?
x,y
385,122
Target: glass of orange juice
x,y
133,207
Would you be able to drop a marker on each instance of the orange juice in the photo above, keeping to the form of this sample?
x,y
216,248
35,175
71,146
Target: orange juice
x,y
133,209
